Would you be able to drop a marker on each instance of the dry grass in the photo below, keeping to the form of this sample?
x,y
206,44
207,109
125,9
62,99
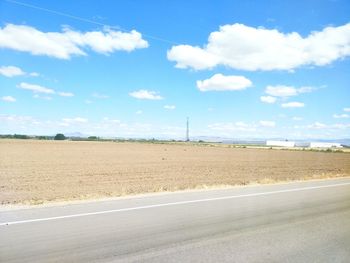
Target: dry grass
x,y
34,172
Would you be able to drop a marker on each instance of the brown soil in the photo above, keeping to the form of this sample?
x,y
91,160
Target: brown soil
x,y
34,172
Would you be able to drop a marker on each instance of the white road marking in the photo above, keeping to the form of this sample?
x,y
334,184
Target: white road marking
x,y
171,204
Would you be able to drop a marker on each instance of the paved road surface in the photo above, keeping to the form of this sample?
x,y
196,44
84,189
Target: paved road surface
x,y
295,222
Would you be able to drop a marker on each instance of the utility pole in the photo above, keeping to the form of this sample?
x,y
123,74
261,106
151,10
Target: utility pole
x,y
187,131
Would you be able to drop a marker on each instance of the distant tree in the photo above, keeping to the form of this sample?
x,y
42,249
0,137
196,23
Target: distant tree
x,y
60,136
40,137
20,136
6,136
93,138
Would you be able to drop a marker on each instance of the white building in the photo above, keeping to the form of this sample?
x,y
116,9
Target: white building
x,y
280,143
325,145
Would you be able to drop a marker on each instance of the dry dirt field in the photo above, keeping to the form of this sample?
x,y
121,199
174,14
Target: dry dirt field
x,y
34,172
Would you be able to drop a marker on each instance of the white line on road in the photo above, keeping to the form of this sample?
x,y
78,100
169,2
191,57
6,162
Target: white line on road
x,y
172,204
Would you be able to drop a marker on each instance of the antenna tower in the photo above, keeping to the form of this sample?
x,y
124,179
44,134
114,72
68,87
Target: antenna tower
x,y
187,130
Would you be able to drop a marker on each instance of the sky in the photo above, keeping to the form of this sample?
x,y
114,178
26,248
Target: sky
x,y
237,69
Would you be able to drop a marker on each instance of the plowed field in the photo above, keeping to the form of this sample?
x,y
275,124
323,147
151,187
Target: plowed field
x,y
34,172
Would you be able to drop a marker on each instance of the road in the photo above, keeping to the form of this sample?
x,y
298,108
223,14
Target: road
x,y
294,222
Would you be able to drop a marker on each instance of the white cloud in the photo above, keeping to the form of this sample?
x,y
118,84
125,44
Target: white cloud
x,y
19,120
347,109
281,91
108,120
340,126
306,89
145,95
11,71
317,125
139,112
340,116
88,101
293,104
100,96
36,88
34,74
248,48
64,124
75,120
111,127
267,123
232,127
64,44
37,96
297,118
8,98
219,82
169,107
194,57
286,91
65,94
268,99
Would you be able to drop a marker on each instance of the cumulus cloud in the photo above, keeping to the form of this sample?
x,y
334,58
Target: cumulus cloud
x,y
8,98
63,45
347,109
293,104
65,94
248,48
219,82
267,123
297,118
11,71
268,99
340,116
36,88
169,107
145,95
286,91
282,92
194,57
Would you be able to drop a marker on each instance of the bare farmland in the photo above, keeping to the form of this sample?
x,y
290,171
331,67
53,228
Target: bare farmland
x,y
34,172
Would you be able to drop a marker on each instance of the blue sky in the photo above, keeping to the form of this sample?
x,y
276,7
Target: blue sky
x,y
237,69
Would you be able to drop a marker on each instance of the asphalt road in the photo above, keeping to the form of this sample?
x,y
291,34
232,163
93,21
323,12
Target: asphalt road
x,y
295,222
